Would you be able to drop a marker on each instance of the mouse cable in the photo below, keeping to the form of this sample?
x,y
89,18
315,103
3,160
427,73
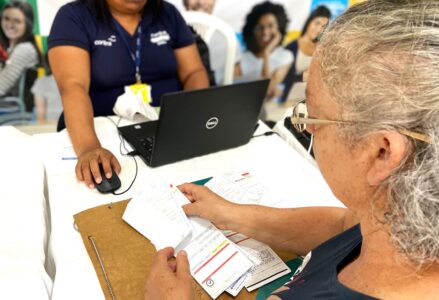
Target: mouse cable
x,y
127,153
268,133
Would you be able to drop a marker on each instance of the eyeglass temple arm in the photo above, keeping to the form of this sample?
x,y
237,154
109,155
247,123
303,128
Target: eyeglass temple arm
x,y
412,134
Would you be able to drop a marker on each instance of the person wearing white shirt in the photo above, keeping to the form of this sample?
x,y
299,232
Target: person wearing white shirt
x,y
263,33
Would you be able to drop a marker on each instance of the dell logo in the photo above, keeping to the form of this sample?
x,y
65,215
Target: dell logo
x,y
212,122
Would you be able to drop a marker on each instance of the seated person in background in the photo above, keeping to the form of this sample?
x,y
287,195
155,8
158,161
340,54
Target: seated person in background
x,y
47,99
263,34
97,47
217,44
373,107
303,49
20,51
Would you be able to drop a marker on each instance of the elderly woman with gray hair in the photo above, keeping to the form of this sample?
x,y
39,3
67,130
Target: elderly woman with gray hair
x,y
373,108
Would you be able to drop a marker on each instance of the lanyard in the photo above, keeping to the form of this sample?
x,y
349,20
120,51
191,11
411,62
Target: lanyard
x,y
134,56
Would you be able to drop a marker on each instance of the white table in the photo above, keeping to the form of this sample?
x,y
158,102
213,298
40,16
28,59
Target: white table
x,y
289,179
24,223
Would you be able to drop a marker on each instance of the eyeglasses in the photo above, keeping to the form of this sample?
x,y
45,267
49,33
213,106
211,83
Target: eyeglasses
x,y
299,119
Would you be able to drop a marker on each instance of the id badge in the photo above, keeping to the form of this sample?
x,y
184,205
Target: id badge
x,y
141,90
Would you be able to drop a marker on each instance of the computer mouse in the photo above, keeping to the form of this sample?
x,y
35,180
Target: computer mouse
x,y
108,185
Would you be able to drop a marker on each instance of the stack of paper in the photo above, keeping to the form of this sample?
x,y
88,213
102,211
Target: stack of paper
x,y
219,261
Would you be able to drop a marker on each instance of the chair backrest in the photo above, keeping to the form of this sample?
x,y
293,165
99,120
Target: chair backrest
x,y
24,101
206,25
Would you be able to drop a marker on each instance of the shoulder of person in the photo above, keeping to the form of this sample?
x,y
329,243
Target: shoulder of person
x,y
283,54
25,48
74,9
247,54
168,10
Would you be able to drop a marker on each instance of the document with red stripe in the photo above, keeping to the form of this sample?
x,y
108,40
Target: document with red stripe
x,y
215,261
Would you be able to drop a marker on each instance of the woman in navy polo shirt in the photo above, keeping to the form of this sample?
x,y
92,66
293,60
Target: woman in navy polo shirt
x,y
97,47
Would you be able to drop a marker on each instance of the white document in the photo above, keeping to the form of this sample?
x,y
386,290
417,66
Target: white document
x,y
267,264
238,187
215,262
156,215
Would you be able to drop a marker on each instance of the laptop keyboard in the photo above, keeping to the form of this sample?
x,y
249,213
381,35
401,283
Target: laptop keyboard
x,y
148,144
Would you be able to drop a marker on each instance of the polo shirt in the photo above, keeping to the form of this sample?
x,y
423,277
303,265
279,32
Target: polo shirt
x,y
112,67
318,279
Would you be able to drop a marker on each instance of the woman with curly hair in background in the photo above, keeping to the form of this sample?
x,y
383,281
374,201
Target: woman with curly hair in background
x,y
263,32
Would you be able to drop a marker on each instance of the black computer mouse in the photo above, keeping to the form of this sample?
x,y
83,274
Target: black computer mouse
x,y
108,185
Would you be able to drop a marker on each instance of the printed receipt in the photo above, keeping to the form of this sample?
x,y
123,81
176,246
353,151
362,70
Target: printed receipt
x,y
156,215
215,262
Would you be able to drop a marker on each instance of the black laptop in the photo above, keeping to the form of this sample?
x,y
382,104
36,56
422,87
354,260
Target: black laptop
x,y
199,122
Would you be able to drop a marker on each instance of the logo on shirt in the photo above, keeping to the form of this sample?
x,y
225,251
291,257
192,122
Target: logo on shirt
x,y
106,43
212,122
160,38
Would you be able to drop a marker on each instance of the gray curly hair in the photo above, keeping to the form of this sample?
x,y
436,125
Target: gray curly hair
x,y
380,62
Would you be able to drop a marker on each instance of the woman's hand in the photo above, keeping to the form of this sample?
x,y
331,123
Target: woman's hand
x,y
275,40
87,167
169,278
207,205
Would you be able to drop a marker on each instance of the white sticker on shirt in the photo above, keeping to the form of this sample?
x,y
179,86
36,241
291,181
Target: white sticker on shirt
x,y
160,38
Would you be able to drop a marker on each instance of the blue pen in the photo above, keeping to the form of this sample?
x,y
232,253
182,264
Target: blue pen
x,y
69,158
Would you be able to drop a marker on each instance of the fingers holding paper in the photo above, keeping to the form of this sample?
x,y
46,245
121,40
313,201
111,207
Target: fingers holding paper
x,y
207,205
169,278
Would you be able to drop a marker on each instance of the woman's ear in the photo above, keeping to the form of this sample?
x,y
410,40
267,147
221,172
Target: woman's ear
x,y
389,148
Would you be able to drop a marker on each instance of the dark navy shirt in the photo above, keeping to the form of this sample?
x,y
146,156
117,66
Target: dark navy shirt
x,y
318,279
112,67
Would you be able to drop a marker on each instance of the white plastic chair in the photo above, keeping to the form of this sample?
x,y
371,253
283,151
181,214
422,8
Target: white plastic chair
x,y
206,25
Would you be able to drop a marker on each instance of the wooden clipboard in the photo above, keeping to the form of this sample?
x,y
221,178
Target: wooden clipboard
x,y
125,254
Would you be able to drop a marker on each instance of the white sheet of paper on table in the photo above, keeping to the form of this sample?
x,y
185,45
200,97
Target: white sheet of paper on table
x,y
238,187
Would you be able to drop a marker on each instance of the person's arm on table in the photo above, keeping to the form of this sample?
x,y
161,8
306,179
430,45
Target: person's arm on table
x,y
169,278
190,69
71,69
296,229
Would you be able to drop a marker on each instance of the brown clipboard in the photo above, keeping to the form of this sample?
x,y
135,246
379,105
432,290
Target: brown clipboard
x,y
125,254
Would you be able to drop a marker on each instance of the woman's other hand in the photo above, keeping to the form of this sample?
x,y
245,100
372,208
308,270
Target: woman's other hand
x,y
207,205
275,41
87,167
169,278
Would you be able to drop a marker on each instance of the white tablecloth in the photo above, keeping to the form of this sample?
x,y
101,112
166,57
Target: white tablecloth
x,y
24,224
290,180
